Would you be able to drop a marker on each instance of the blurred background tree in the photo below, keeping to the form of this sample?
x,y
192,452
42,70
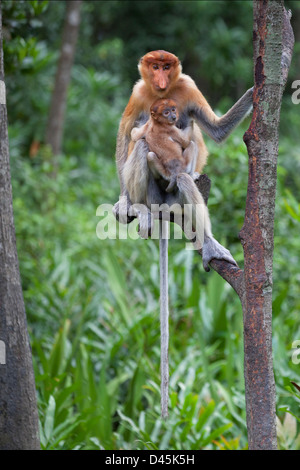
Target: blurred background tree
x,y
55,126
97,355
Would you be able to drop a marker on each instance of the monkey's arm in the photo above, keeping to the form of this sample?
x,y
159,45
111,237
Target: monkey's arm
x,y
121,208
139,132
129,119
218,128
182,136
121,155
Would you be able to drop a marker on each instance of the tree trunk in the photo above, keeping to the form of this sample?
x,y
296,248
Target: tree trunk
x,y
273,42
18,409
54,131
257,234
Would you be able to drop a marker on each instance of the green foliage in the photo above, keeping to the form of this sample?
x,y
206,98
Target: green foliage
x,y
216,56
93,305
94,319
96,348
20,20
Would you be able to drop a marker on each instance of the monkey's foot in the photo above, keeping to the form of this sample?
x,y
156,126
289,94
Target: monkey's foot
x,y
146,222
146,225
212,249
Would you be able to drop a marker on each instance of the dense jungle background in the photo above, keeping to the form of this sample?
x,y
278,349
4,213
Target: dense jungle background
x,y
93,305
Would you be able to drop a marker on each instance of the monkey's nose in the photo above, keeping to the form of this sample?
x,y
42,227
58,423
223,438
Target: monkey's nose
x,y
161,88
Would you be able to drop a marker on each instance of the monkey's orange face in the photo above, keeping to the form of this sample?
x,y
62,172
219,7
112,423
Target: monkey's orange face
x,y
159,75
159,69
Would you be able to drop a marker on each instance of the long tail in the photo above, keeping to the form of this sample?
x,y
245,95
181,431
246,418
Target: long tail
x,y
164,316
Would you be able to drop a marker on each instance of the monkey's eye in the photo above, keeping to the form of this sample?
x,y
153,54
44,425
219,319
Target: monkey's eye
x,y
166,113
173,110
166,67
155,67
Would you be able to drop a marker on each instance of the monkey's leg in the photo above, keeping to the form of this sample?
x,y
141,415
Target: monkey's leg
x,y
136,177
190,155
211,248
135,173
159,172
155,165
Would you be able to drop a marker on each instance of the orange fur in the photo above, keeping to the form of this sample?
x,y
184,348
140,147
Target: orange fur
x,y
171,145
161,77
140,171
178,87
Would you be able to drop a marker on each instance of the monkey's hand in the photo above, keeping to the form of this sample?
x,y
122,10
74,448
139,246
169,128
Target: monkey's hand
x,y
121,210
137,133
212,249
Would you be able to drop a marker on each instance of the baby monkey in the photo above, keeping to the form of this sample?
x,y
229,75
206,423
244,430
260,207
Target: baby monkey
x,y
171,150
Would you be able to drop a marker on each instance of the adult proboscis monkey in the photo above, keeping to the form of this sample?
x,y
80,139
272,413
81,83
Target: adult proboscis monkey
x,y
162,77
